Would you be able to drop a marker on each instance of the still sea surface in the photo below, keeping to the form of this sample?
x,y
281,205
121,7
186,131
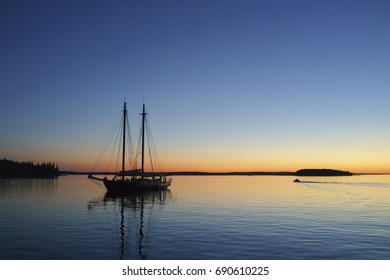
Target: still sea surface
x,y
199,217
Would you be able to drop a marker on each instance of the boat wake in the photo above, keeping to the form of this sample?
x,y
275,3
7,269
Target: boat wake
x,y
357,184
354,193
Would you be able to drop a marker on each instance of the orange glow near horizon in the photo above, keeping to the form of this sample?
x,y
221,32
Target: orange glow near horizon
x,y
223,159
242,165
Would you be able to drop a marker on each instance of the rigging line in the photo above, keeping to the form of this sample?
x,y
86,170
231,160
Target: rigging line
x,y
154,149
150,147
118,154
129,155
150,152
156,157
98,184
130,143
107,143
138,149
113,148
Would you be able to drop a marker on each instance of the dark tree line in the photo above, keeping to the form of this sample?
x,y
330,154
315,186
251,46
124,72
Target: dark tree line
x,y
322,172
9,168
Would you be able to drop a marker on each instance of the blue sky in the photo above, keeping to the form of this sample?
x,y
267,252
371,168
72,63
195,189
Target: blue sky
x,y
229,85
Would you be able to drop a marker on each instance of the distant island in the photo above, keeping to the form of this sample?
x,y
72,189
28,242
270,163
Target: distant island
x,y
322,172
14,169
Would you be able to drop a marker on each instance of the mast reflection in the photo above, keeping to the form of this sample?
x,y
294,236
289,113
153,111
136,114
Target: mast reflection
x,y
134,210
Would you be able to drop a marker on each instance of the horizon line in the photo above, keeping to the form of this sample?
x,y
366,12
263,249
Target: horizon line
x,y
191,172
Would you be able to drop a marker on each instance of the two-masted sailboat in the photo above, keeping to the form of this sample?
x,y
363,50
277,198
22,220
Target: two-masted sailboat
x,y
139,180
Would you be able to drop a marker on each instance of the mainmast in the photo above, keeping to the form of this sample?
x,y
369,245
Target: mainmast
x,y
143,138
124,140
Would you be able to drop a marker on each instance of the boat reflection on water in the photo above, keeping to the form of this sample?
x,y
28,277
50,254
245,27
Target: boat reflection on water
x,y
137,212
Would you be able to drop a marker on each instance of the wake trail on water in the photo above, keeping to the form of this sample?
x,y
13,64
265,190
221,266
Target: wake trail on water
x,y
356,197
357,184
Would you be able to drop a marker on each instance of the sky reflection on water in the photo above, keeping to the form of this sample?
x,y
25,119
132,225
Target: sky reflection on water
x,y
215,217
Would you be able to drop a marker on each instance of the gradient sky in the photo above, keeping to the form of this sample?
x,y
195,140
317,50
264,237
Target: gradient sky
x,y
230,85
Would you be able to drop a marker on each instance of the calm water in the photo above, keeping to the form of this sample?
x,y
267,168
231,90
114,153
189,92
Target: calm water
x,y
258,217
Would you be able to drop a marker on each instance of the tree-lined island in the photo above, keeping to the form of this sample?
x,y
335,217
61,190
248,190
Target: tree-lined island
x,y
322,172
14,169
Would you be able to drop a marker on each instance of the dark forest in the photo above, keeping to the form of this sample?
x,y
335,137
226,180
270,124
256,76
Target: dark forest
x,y
9,168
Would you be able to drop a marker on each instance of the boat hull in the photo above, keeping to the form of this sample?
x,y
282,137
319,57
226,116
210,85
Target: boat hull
x,y
130,186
